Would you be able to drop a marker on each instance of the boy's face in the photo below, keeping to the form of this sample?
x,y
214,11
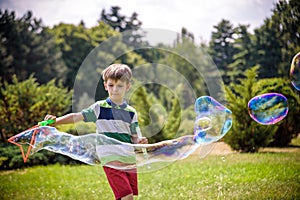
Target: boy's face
x,y
116,90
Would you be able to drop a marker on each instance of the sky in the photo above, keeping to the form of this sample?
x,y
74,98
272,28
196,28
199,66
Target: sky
x,y
197,16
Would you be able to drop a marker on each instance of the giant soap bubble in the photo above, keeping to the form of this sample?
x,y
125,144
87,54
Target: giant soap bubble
x,y
212,123
172,72
268,108
295,71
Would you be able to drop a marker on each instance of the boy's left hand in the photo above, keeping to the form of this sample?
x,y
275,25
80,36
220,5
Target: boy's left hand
x,y
142,140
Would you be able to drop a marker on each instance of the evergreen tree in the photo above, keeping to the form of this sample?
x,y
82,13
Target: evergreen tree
x,y
221,47
171,128
246,135
243,58
129,26
286,15
289,127
278,40
268,47
26,48
149,120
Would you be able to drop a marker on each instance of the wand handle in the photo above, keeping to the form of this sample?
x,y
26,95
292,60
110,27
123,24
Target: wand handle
x,y
46,122
139,134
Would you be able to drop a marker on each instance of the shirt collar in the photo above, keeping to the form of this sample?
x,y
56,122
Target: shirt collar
x,y
122,106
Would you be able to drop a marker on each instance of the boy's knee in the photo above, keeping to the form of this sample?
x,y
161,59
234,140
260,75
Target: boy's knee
x,y
127,197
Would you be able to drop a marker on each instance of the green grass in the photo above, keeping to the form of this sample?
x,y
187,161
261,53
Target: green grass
x,y
233,176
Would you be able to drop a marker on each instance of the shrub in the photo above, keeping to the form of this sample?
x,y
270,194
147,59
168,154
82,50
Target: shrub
x,y
25,103
11,158
246,135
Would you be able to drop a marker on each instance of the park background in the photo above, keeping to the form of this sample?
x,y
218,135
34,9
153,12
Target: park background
x,y
39,65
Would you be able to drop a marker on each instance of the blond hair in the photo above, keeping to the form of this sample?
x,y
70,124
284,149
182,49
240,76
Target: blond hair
x,y
117,72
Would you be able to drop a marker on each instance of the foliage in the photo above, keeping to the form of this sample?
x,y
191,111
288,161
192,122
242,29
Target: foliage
x,y
289,127
26,48
243,57
173,121
277,40
24,103
11,158
246,135
149,116
286,15
221,47
76,42
130,26
268,49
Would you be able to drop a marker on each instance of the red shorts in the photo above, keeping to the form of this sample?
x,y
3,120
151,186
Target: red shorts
x,y
122,182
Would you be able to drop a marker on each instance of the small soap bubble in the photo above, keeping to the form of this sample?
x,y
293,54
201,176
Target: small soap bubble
x,y
268,108
295,72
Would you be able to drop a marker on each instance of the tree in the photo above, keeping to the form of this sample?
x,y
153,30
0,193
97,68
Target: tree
x,y
268,47
26,48
129,26
289,127
24,103
149,119
221,47
243,58
278,40
246,135
171,128
74,43
286,15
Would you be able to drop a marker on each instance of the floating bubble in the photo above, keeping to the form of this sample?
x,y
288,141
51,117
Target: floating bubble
x,y
295,71
268,108
213,120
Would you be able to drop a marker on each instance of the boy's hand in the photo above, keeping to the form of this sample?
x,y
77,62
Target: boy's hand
x,y
142,140
47,117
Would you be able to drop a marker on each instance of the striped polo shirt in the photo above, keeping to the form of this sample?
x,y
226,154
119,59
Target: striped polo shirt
x,y
115,121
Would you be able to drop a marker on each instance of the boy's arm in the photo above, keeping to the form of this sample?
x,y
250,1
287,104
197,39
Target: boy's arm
x,y
66,119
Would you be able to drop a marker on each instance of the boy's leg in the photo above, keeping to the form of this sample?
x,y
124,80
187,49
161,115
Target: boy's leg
x,y
122,183
133,180
128,197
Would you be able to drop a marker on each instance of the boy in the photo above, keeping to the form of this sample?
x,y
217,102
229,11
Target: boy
x,y
116,119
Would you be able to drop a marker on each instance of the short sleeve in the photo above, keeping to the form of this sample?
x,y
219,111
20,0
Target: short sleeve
x,y
89,114
134,124
133,128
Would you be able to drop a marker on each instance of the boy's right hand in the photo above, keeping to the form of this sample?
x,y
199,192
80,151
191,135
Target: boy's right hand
x,y
47,117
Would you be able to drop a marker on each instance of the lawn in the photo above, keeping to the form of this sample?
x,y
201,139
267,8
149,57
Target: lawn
x,y
265,175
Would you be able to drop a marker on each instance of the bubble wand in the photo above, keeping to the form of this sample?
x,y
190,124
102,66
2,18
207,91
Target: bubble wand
x,y
32,141
139,134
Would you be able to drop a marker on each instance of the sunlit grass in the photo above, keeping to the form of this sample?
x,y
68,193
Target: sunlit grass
x,y
233,176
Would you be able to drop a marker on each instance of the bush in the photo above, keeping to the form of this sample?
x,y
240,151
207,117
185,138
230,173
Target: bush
x,y
246,135
25,103
11,158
